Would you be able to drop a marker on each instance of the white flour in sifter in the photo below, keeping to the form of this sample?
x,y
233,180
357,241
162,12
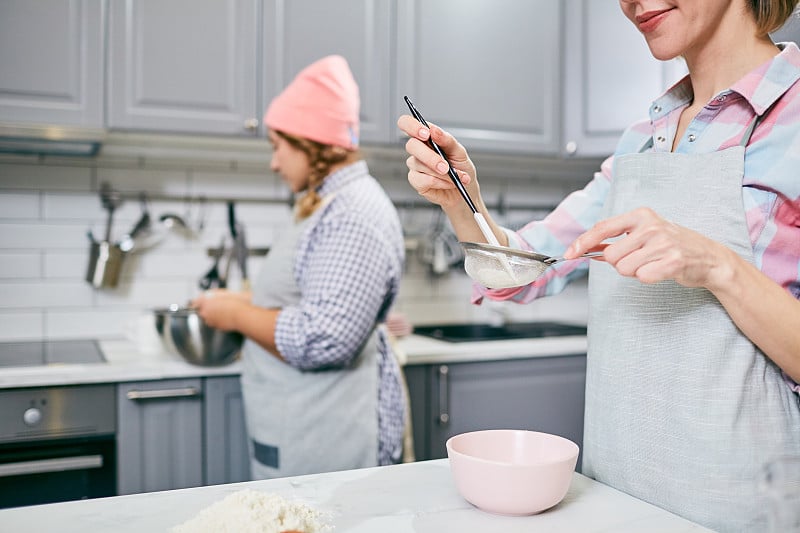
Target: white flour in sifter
x,y
251,511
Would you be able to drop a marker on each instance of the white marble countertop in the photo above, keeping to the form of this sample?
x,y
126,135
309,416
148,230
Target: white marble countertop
x,y
124,362
415,497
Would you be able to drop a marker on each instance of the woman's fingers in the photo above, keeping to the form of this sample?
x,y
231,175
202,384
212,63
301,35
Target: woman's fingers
x,y
610,228
651,248
412,127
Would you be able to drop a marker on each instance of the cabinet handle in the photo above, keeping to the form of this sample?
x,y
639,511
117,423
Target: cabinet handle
x,y
571,148
444,397
251,124
43,466
186,392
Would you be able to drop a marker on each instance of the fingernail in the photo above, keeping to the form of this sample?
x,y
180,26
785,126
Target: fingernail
x,y
442,167
423,132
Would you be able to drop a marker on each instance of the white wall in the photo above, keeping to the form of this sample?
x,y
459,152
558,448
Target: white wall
x,y
47,205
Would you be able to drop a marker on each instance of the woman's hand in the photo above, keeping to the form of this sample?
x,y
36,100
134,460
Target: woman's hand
x,y
427,171
218,307
652,249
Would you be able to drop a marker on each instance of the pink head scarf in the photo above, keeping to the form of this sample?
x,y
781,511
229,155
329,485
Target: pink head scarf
x,y
321,104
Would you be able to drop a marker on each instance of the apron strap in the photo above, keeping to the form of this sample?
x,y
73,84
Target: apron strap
x,y
754,124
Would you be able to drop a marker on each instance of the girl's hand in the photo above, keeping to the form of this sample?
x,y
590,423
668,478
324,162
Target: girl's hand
x,y
218,307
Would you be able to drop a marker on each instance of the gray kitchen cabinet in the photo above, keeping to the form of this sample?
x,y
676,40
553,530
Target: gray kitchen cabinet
x,y
539,394
51,62
226,456
298,32
159,435
489,74
539,77
183,66
610,77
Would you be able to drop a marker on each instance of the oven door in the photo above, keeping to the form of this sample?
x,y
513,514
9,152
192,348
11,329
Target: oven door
x,y
57,470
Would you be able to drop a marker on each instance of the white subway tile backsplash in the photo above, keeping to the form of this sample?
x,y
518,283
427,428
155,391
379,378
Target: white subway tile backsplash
x,y
253,213
20,206
41,294
84,206
88,323
67,264
238,184
43,236
46,210
157,181
20,265
173,264
21,325
43,177
146,294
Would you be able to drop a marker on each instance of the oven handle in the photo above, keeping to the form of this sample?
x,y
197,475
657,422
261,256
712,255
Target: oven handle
x,y
43,466
185,392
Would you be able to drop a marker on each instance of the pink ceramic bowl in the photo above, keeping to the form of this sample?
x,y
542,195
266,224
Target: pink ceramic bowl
x,y
512,472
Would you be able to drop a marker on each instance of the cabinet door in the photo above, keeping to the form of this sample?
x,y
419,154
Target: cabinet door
x,y
490,73
51,60
183,66
540,394
298,32
610,77
418,380
226,456
159,435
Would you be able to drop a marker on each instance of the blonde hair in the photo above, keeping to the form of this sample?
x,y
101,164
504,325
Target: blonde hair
x,y
321,158
771,14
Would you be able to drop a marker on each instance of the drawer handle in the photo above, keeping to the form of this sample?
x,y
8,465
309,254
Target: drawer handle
x,y
444,396
44,466
185,392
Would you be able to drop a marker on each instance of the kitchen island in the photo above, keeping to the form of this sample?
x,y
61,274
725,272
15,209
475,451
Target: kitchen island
x,y
414,497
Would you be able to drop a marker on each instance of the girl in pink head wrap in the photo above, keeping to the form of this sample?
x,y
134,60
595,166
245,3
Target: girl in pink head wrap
x,y
321,387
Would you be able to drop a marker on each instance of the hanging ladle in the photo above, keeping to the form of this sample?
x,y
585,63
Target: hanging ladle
x,y
487,232
486,263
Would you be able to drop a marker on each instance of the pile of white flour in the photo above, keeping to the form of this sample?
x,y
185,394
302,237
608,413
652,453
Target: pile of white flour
x,y
251,511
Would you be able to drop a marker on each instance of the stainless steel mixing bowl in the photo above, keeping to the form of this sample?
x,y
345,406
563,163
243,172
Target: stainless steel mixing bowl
x,y
186,334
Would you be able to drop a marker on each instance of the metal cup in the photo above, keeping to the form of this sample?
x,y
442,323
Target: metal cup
x,y
105,264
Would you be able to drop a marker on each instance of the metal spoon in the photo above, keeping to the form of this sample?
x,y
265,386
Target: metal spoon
x,y
485,263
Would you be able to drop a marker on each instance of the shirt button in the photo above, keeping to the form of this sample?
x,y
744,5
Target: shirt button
x,y
721,98
661,139
691,137
656,109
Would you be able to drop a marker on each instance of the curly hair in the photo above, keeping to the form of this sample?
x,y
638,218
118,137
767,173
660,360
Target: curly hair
x,y
321,158
772,14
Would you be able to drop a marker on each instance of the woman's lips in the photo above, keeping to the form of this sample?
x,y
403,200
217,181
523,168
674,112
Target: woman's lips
x,y
649,21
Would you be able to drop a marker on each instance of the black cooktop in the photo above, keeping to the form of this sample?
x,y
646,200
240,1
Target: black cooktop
x,y
38,353
485,332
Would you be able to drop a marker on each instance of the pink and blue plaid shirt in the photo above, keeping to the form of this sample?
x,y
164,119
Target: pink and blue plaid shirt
x,y
770,188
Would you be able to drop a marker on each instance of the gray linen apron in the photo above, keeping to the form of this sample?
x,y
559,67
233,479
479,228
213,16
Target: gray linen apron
x,y
303,422
682,410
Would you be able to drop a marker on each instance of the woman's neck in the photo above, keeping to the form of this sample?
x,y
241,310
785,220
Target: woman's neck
x,y
732,52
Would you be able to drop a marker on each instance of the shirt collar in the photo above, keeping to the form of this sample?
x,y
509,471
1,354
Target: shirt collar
x,y
764,85
338,179
761,87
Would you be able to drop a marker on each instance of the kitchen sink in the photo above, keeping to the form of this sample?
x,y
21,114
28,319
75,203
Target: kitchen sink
x,y
486,332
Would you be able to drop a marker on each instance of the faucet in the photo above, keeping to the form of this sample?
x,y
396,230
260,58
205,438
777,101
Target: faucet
x,y
499,315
